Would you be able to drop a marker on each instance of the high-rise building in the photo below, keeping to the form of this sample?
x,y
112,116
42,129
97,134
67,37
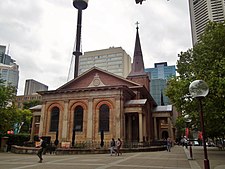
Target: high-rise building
x,y
203,11
159,75
9,70
33,86
113,59
161,71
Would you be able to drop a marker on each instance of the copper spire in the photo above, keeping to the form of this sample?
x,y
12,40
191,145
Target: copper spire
x,y
138,63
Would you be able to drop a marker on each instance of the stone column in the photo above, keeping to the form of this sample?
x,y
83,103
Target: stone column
x,y
32,128
90,120
42,121
155,129
144,126
140,127
169,127
118,119
65,122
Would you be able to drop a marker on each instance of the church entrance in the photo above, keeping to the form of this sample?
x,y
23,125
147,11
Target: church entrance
x,y
165,135
132,127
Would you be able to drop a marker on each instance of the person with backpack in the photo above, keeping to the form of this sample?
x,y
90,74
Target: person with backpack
x,y
112,146
42,145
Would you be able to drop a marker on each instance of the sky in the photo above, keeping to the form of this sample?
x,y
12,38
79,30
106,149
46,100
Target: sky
x,y
42,33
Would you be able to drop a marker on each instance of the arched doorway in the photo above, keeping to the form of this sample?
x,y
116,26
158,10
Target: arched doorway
x,y
165,134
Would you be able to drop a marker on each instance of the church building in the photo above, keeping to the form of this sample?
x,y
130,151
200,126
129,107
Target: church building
x,y
99,101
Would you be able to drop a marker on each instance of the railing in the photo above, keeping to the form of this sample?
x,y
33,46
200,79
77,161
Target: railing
x,y
96,144
125,144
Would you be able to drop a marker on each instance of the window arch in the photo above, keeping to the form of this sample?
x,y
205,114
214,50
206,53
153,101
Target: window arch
x,y
104,118
54,124
78,118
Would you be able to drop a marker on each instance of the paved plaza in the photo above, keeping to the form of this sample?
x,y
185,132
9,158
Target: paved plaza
x,y
178,158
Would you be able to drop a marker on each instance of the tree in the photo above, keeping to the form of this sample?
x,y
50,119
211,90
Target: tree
x,y
29,104
8,112
26,115
23,121
206,61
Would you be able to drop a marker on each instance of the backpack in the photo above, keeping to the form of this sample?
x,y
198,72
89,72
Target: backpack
x,y
43,144
113,143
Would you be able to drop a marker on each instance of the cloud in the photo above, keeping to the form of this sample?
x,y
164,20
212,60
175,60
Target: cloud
x,y
42,33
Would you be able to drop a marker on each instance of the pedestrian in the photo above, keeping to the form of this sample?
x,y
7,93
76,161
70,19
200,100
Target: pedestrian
x,y
168,144
118,146
42,145
112,146
185,142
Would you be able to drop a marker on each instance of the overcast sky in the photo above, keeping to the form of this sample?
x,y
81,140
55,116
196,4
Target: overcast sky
x,y
41,33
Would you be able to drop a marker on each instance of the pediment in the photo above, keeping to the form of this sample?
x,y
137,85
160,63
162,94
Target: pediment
x,y
97,77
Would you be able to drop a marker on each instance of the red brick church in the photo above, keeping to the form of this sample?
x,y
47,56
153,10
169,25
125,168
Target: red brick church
x,y
98,100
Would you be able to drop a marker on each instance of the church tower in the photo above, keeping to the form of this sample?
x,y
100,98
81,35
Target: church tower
x,y
138,73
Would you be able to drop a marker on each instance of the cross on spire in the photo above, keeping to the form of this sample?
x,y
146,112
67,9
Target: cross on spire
x,y
137,23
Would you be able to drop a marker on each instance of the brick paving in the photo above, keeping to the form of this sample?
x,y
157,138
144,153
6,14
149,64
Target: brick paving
x,y
176,159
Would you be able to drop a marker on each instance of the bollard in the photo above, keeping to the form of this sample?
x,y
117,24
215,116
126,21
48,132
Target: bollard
x,y
191,155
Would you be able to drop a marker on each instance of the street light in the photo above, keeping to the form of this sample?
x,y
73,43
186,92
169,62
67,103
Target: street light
x,y
199,89
188,120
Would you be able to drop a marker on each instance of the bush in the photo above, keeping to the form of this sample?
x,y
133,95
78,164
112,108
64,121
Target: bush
x,y
16,139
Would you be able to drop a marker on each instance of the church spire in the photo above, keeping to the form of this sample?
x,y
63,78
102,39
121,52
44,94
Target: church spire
x,y
138,63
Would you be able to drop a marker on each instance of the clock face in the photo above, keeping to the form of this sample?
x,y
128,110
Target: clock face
x,y
96,82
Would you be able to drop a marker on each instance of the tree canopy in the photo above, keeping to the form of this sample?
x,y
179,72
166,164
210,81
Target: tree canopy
x,y
7,110
206,61
12,118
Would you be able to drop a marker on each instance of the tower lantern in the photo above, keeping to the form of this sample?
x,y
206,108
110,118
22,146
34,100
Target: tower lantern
x,y
80,4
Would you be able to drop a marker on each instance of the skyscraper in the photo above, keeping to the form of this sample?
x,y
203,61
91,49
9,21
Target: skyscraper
x,y
159,75
33,86
203,11
113,59
9,70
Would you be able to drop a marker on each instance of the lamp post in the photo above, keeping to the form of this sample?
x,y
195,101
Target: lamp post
x,y
199,89
188,120
73,137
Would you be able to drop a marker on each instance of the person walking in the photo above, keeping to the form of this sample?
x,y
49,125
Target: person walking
x,y
42,145
118,146
168,144
112,146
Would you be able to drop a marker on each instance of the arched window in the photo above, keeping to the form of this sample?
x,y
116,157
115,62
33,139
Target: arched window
x,y
78,119
54,119
104,118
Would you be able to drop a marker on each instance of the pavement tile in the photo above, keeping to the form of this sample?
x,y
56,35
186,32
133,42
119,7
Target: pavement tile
x,y
176,159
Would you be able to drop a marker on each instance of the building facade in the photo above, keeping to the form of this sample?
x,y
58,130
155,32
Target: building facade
x,y
113,59
203,11
33,86
159,75
19,100
98,101
9,70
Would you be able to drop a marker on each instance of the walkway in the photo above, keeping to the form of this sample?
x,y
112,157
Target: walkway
x,y
176,159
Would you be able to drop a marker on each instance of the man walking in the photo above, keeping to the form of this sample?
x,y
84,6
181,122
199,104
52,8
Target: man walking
x,y
112,146
42,146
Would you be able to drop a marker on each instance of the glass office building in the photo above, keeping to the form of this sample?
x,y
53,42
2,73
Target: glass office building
x,y
159,76
9,70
